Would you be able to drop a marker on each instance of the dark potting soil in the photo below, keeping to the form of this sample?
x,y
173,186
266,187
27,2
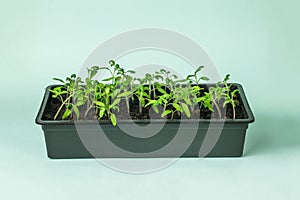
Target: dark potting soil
x,y
198,112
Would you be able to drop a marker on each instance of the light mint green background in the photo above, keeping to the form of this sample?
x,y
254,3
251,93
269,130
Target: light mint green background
x,y
256,41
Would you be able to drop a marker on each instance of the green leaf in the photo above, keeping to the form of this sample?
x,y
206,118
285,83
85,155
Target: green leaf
x,y
95,68
188,101
116,108
226,78
199,69
108,79
151,102
80,103
131,71
76,111
190,76
234,91
93,73
226,102
111,62
142,102
181,80
125,94
116,101
186,109
177,107
113,119
166,112
107,90
157,77
236,102
115,92
118,78
197,88
155,108
165,101
101,112
104,68
205,78
199,99
207,104
144,94
58,79
158,87
99,103
67,113
163,70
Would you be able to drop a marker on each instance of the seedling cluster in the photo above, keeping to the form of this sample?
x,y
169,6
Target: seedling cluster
x,y
161,91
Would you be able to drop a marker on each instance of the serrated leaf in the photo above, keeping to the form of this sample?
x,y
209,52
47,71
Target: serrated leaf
x,y
207,104
166,112
186,110
58,89
113,119
67,113
199,99
197,88
210,107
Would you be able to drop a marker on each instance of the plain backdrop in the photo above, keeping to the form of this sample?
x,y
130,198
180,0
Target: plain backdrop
x,y
256,41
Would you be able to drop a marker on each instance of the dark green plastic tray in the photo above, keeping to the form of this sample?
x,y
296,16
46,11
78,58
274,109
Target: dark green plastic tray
x,y
64,141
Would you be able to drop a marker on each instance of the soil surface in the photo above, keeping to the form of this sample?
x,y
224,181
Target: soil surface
x,y
198,112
